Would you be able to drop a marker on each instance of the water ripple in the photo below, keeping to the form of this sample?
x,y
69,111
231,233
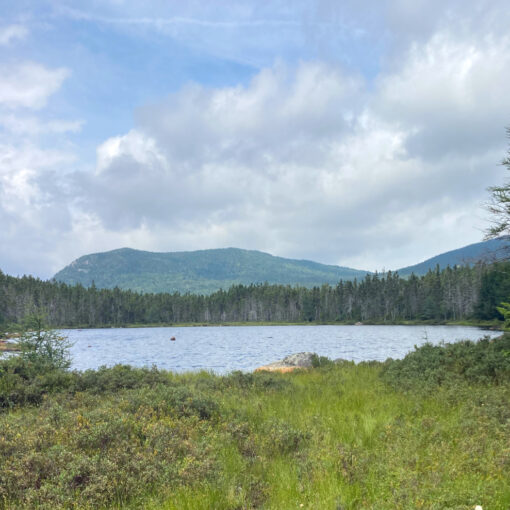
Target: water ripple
x,y
223,349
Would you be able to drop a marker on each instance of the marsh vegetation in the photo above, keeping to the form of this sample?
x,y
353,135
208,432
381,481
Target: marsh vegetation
x,y
429,431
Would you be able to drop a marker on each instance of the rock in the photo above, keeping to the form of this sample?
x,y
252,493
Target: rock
x,y
301,359
8,346
289,363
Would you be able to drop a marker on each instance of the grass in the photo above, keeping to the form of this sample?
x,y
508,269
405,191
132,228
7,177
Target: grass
x,y
366,436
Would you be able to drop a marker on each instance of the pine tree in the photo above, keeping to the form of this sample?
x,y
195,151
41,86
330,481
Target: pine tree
x,y
499,204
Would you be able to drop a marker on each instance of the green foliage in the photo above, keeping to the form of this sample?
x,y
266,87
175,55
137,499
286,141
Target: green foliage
x,y
494,288
321,361
38,368
265,381
454,294
485,361
119,377
282,437
97,455
337,438
504,310
176,400
42,348
21,384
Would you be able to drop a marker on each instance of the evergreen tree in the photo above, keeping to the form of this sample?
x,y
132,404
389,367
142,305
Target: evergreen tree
x,y
499,205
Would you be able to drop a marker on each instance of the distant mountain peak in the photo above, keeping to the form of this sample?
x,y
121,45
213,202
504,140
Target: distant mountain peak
x,y
200,271
487,251
205,271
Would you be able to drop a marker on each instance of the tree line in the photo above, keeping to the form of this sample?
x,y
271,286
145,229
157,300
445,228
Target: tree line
x,y
456,293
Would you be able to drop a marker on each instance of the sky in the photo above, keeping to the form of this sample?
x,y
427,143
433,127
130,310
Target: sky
x,y
357,133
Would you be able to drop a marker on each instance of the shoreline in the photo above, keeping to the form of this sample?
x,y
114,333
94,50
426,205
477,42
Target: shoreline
x,y
488,325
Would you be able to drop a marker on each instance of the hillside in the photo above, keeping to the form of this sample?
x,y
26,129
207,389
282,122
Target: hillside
x,y
489,251
203,271
206,271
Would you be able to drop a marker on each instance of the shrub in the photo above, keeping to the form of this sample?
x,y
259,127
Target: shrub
x,y
258,380
21,384
24,383
483,361
119,377
44,349
284,438
321,361
173,400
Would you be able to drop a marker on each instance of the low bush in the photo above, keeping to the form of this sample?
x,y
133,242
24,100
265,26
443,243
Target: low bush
x,y
100,456
21,385
283,437
119,377
266,381
321,361
484,361
173,400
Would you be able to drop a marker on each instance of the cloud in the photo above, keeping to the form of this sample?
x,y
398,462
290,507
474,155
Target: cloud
x,y
451,94
244,32
31,126
376,158
10,33
203,151
301,162
29,84
34,210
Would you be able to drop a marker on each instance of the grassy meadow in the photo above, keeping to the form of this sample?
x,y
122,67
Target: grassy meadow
x,y
431,431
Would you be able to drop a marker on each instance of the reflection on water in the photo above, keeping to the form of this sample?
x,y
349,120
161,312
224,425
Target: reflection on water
x,y
223,349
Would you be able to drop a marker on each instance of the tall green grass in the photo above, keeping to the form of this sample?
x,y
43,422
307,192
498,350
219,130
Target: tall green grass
x,y
431,431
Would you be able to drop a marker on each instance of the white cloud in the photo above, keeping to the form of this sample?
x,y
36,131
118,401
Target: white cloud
x,y
303,163
31,126
308,160
242,31
10,33
29,84
34,209
452,93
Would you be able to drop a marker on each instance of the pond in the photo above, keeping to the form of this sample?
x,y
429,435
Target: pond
x,y
224,349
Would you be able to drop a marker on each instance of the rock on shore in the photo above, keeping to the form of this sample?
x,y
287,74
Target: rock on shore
x,y
6,346
289,363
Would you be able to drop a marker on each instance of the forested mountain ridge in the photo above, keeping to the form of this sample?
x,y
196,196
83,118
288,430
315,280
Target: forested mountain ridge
x,y
197,272
486,251
206,271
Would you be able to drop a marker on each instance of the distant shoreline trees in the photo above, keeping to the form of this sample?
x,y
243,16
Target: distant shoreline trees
x,y
457,293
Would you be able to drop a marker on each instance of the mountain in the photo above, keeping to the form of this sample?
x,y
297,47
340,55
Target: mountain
x,y
205,271
488,251
202,272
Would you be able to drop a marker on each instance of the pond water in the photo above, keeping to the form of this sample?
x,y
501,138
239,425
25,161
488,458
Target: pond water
x,y
223,349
